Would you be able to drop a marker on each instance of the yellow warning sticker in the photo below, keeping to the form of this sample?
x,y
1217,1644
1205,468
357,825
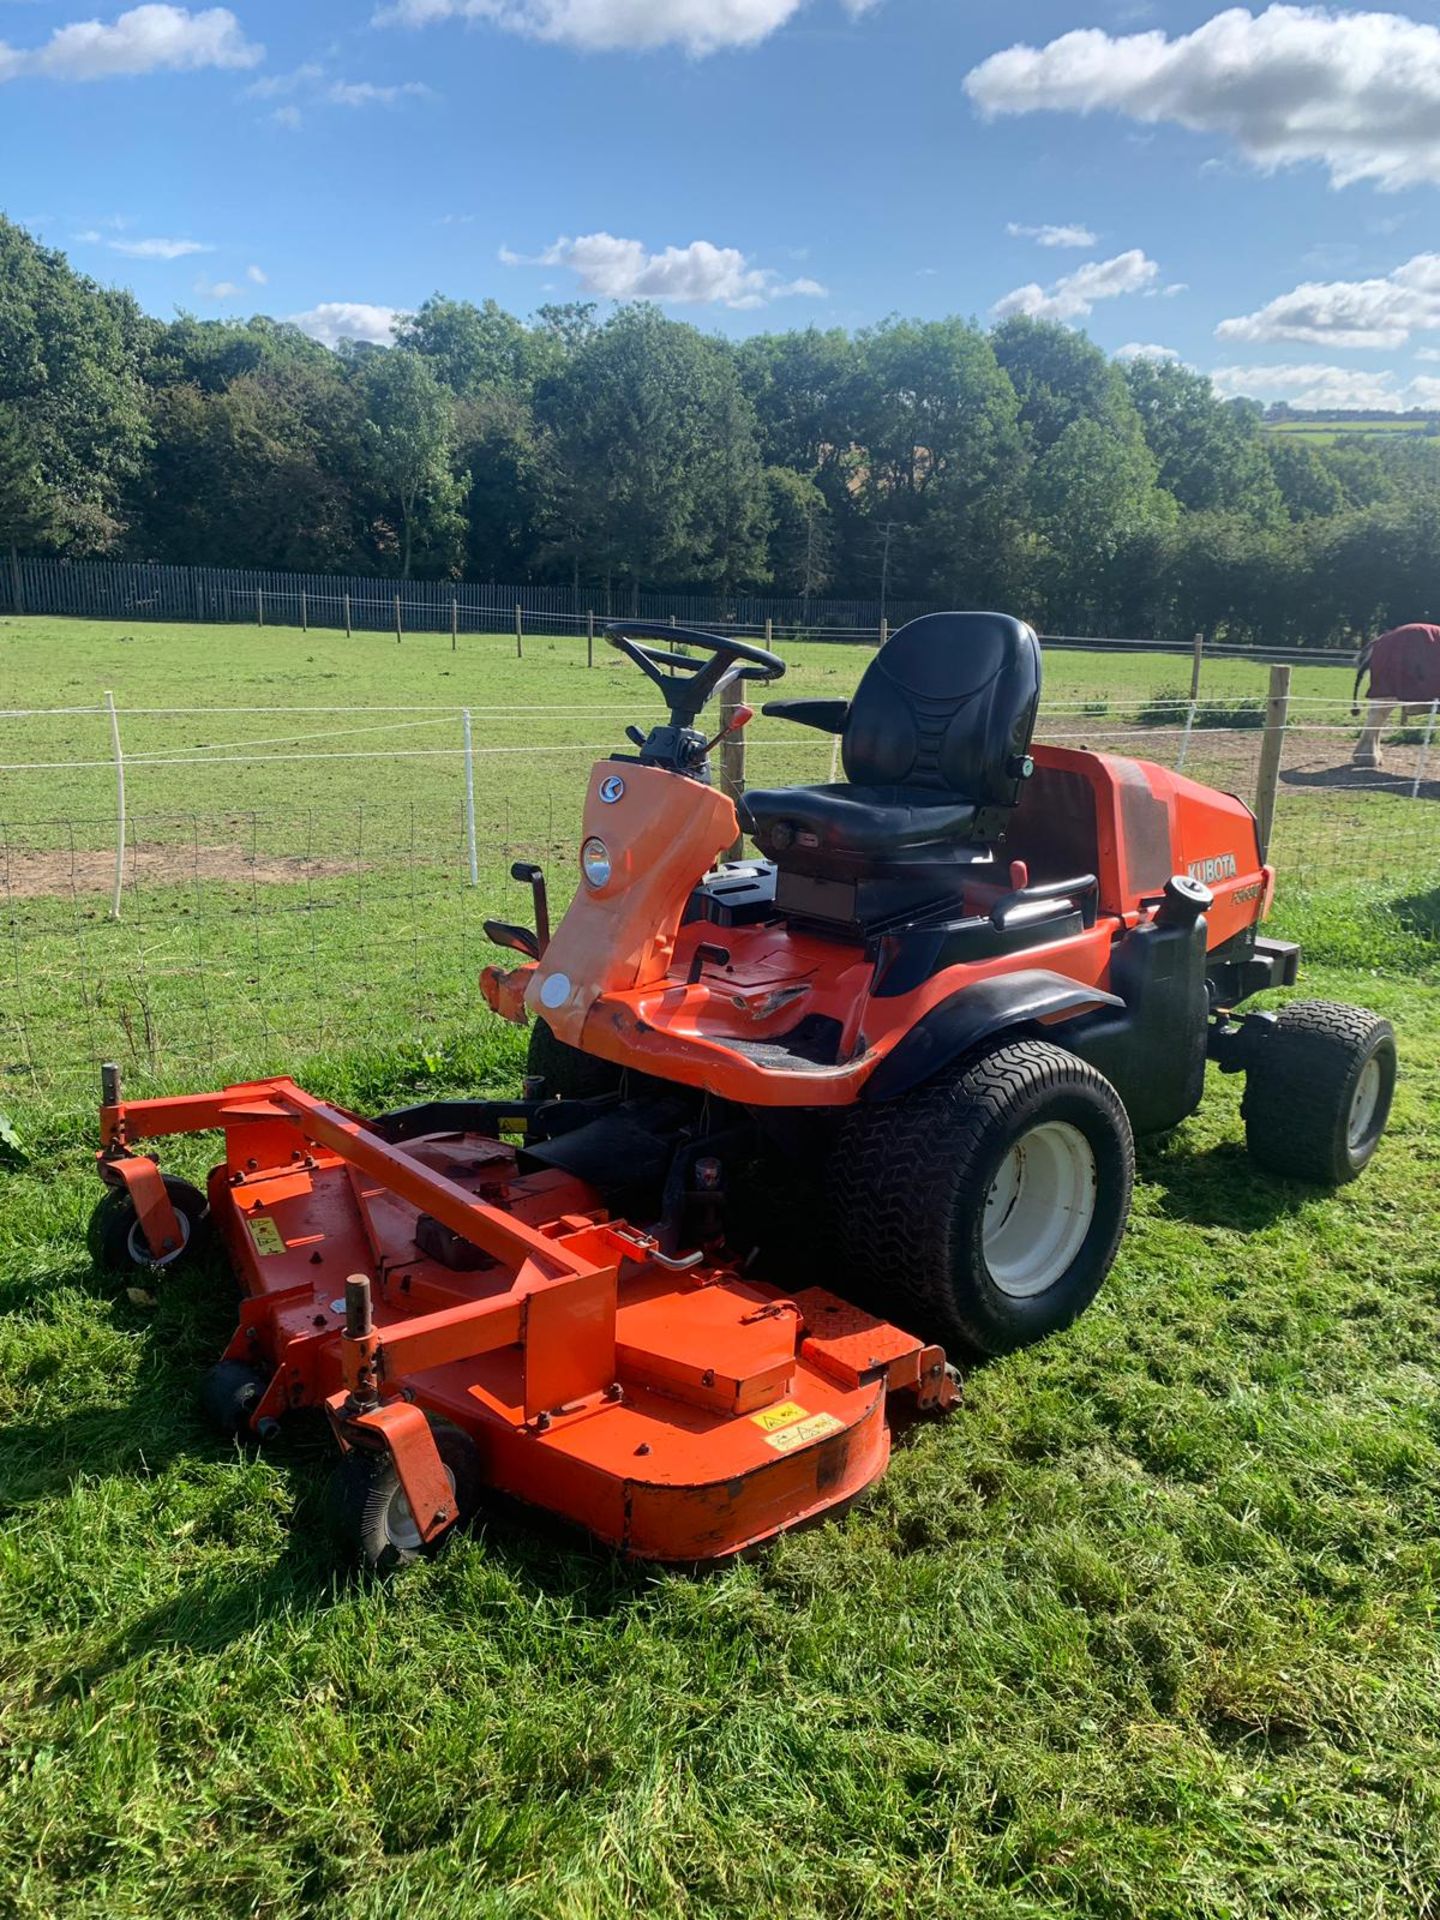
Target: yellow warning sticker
x,y
815,1428
785,1415
265,1234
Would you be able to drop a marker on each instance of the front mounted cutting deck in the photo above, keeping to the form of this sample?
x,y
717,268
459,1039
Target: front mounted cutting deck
x,y
465,1322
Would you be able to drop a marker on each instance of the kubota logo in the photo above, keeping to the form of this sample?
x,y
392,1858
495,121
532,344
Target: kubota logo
x,y
1222,867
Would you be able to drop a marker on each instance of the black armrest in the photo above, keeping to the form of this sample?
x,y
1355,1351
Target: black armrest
x,y
1013,908
828,715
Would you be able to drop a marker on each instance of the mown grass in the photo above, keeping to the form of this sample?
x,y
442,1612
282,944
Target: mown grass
x,y
1147,1628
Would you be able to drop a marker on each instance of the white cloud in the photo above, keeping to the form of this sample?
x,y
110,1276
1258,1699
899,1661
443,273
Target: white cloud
x,y
1052,236
273,86
288,117
1381,312
1357,92
258,275
155,249
1428,353
148,39
1075,294
1145,350
365,93
699,26
336,320
1326,386
216,289
700,274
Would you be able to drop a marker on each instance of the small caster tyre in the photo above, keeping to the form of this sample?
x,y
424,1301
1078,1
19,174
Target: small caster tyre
x,y
983,1210
118,1240
229,1395
370,1517
1318,1095
567,1073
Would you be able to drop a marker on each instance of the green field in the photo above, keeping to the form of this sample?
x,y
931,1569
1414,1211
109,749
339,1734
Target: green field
x,y
1148,1628
1329,430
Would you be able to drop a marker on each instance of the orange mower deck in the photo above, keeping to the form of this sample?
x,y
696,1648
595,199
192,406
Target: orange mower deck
x,y
674,1409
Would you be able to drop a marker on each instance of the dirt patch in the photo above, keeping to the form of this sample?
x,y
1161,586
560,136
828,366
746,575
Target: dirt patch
x,y
37,876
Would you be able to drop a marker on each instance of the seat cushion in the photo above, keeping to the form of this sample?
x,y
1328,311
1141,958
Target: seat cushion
x,y
866,823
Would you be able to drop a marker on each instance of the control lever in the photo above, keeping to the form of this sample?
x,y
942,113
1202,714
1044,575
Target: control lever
x,y
717,956
534,877
741,717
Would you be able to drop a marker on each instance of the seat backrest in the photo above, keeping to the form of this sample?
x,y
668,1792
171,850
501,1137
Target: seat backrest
x,y
947,704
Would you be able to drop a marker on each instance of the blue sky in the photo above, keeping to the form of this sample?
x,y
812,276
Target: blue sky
x,y
1255,192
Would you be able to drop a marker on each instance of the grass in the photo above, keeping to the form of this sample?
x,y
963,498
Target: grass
x,y
1147,1629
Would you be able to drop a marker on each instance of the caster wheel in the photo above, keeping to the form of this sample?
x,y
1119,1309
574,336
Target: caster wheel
x,y
229,1395
118,1240
370,1516
1318,1097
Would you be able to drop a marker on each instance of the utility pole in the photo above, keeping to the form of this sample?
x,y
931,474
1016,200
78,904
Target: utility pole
x,y
887,532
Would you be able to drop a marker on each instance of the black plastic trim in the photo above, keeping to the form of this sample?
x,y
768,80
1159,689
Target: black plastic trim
x,y
976,1013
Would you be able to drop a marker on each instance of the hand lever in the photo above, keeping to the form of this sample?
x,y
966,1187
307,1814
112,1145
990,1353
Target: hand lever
x,y
741,717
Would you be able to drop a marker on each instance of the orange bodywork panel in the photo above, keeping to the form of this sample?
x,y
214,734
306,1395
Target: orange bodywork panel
x,y
623,980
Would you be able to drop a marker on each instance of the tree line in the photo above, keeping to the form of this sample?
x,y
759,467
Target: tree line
x,y
1016,467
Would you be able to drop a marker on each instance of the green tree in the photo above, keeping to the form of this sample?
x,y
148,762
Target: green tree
x,y
70,356
801,546
471,349
656,467
1092,493
27,507
407,439
1210,454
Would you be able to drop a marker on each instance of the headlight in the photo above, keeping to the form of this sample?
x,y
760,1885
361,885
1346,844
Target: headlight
x,y
595,862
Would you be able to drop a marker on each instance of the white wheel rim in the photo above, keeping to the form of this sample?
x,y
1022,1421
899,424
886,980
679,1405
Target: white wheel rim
x,y
1363,1103
400,1528
139,1247
1039,1209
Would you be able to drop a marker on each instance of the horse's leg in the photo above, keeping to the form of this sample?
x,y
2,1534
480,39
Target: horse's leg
x,y
1367,747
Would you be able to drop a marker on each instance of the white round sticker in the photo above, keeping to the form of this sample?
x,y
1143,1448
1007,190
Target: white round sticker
x,y
555,990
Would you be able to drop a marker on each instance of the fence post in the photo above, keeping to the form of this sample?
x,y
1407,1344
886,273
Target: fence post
x,y
1416,783
17,598
259,606
470,797
884,631
519,634
225,603
590,638
1185,737
454,621
732,757
119,805
1195,668
769,634
304,613
347,616
1277,714
398,628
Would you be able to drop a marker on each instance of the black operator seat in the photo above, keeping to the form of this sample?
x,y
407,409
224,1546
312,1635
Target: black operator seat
x,y
935,746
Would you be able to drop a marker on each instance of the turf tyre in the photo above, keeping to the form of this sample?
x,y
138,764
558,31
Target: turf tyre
x,y
912,1185
229,1395
1319,1092
369,1516
117,1241
568,1073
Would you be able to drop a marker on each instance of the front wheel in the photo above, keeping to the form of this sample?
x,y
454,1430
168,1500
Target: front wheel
x,y
1319,1093
370,1516
118,1240
984,1210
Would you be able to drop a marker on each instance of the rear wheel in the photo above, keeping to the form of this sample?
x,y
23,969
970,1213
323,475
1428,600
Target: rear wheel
x,y
229,1395
568,1073
1318,1096
984,1210
370,1516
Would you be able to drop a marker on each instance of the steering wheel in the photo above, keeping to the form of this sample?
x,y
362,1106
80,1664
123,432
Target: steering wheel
x,y
685,684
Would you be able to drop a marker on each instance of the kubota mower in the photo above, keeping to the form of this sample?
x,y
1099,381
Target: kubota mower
x,y
918,1034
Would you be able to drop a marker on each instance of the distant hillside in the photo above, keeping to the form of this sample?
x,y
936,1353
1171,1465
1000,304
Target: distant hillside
x,y
1324,423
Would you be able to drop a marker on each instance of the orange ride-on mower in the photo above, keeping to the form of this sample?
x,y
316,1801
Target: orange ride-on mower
x,y
919,1034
